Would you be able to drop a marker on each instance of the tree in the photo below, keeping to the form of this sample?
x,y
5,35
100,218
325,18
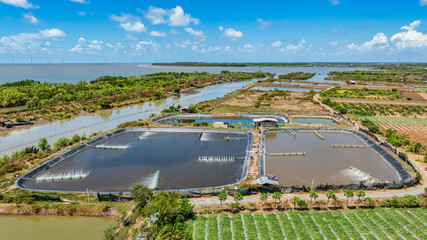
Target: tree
x,y
75,139
295,201
411,201
416,147
191,108
263,197
360,194
369,202
348,194
105,103
313,194
238,197
222,197
43,144
277,196
141,194
62,143
330,195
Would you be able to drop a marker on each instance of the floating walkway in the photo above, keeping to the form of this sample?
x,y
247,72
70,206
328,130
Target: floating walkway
x,y
216,159
287,154
318,135
66,176
347,146
366,175
111,147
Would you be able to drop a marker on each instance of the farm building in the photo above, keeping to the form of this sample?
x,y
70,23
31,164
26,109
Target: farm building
x,y
265,122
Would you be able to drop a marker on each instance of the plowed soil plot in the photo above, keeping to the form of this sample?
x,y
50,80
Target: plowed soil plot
x,y
415,128
174,154
323,162
413,96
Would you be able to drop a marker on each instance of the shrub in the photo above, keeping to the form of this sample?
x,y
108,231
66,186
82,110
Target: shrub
x,y
62,143
75,139
105,103
43,144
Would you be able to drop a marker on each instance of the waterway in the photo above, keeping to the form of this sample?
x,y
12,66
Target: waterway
x,y
52,227
105,120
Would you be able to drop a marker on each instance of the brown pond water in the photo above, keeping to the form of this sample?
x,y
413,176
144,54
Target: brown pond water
x,y
52,227
175,154
322,162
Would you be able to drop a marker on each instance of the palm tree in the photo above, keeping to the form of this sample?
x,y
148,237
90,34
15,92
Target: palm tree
x,y
277,196
222,197
330,195
238,197
313,194
263,197
349,194
295,201
360,194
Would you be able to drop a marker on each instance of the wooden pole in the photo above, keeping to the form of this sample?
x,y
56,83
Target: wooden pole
x,y
87,190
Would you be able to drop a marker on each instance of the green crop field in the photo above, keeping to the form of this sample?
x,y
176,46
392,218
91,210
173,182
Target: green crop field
x,y
379,223
424,89
397,121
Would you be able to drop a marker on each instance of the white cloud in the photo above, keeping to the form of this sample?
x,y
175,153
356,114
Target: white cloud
x,y
276,44
296,47
230,32
131,37
184,44
19,3
82,13
31,18
408,37
129,22
174,32
145,45
80,1
334,2
423,2
52,32
89,47
157,34
379,41
196,33
334,43
29,41
213,49
173,17
263,23
133,27
227,49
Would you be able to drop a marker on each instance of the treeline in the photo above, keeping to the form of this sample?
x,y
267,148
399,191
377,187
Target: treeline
x,y
363,109
296,76
389,74
297,64
108,89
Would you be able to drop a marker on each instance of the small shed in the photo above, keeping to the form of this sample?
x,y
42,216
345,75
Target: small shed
x,y
265,122
185,110
352,82
266,180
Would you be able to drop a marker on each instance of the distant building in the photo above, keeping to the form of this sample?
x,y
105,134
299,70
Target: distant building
x,y
265,122
185,110
352,82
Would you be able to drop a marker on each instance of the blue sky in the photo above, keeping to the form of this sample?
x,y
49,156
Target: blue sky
x,y
80,31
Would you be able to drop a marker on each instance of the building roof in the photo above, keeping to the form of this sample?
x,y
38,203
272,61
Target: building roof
x,y
266,180
265,120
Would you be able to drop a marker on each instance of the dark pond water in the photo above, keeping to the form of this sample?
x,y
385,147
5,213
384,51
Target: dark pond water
x,y
315,121
175,154
322,162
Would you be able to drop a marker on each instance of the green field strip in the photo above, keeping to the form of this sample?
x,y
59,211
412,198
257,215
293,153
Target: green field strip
x,y
190,226
300,229
363,216
250,227
420,214
200,228
224,227
323,226
395,224
408,224
347,226
416,220
276,231
212,227
363,229
237,226
335,226
287,227
315,233
262,227
385,226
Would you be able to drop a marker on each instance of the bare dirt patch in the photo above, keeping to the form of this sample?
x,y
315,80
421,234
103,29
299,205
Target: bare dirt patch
x,y
413,96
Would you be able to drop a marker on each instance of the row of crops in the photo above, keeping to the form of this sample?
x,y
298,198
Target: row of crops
x,y
397,121
352,224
